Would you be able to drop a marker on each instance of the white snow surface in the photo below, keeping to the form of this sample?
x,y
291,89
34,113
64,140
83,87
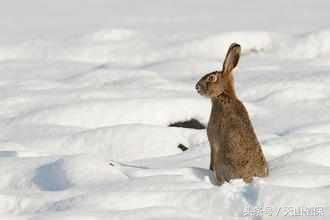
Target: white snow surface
x,y
88,89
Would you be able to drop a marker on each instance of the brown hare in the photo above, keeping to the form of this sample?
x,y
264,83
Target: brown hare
x,y
235,150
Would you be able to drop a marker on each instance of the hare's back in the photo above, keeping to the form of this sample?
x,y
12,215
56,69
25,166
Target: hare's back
x,y
240,133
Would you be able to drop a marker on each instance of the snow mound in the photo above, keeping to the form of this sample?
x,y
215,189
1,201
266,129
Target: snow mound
x,y
118,143
127,47
92,114
307,46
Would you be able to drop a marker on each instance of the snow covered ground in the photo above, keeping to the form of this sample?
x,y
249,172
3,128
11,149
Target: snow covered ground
x,y
87,83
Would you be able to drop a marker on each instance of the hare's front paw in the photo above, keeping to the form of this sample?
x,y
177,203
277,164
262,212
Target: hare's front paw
x,y
219,181
218,178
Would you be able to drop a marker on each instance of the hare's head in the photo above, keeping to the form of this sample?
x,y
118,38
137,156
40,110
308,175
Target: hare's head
x,y
215,83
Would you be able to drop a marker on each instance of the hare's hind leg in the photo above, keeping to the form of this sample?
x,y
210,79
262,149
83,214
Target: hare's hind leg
x,y
261,167
262,171
248,174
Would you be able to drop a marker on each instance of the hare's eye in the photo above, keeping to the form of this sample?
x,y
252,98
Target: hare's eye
x,y
212,78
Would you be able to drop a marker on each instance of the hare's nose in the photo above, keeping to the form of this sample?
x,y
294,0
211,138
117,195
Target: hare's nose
x,y
198,87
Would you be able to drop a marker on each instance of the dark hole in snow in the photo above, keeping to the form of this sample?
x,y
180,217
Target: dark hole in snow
x,y
182,147
192,123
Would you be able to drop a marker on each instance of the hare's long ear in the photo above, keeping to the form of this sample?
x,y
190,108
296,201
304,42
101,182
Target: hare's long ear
x,y
232,58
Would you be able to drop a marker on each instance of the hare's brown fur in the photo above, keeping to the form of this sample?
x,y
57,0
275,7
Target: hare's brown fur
x,y
235,150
